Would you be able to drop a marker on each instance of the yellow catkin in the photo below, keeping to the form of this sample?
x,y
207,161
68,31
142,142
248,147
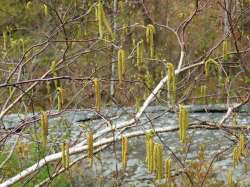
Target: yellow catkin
x,y
171,83
207,68
45,8
150,31
150,151
183,123
44,126
21,41
208,65
203,94
5,39
242,144
121,65
148,147
147,137
11,90
96,15
60,98
137,104
53,68
236,156
64,160
90,141
159,161
230,182
102,21
225,50
167,169
100,18
154,159
97,94
201,152
122,6
107,25
67,155
54,73
123,57
149,80
139,53
48,87
124,152
29,5
150,155
185,119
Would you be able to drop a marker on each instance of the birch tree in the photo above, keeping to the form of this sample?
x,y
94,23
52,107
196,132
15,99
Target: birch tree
x,y
58,57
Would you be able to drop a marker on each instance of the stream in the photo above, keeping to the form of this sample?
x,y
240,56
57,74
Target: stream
x,y
74,124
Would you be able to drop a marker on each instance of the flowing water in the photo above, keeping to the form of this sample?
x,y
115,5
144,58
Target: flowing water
x,y
74,124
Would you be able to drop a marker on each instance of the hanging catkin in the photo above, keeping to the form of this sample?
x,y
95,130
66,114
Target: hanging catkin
x,y
154,158
208,66
150,151
139,53
102,21
5,40
183,123
147,137
203,94
90,141
29,5
60,98
65,154
44,126
230,182
54,73
242,144
45,8
124,152
150,32
100,18
171,83
159,161
97,94
167,169
121,65
236,156
49,94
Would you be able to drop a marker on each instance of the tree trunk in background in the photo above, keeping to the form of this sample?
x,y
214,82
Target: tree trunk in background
x,y
226,22
226,31
112,82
